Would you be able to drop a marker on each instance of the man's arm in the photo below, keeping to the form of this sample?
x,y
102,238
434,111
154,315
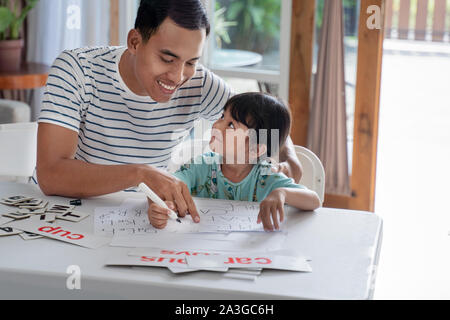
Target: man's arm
x,y
289,163
59,173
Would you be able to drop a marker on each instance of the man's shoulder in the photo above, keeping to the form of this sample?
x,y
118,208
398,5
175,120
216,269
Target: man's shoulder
x,y
101,55
204,74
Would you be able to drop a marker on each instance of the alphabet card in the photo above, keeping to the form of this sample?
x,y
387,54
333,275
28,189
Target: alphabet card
x,y
15,200
4,220
8,231
66,234
29,236
17,215
60,208
47,217
34,203
72,216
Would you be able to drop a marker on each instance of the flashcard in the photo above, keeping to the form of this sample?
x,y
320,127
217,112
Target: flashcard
x,y
23,210
265,261
9,231
156,261
41,205
148,261
29,236
240,276
17,215
66,234
5,220
15,199
72,216
177,270
31,203
173,253
47,217
60,208
32,211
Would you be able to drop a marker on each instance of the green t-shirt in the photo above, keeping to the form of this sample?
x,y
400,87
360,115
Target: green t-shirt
x,y
204,178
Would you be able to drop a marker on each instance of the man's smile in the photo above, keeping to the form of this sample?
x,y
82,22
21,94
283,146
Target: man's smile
x,y
166,88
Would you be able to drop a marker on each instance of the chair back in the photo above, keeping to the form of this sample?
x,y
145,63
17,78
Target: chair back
x,y
313,176
18,149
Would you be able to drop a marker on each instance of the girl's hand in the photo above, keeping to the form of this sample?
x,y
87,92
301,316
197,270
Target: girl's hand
x,y
158,216
269,208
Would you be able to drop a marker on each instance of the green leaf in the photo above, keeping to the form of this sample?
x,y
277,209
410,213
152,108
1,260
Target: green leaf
x,y
257,15
247,21
32,3
235,10
6,18
18,22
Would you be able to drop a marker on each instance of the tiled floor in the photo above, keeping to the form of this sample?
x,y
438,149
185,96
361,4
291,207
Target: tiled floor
x,y
413,172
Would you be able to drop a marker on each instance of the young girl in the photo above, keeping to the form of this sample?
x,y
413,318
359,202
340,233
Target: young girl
x,y
253,127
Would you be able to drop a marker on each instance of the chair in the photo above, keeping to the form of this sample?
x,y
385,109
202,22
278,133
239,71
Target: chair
x,y
14,111
18,145
313,172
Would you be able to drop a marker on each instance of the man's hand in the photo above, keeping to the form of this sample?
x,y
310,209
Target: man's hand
x,y
292,171
169,188
289,163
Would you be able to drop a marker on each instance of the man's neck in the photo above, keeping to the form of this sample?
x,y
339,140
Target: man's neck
x,y
126,70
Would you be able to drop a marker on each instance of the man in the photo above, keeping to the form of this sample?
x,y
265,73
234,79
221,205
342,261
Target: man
x,y
111,116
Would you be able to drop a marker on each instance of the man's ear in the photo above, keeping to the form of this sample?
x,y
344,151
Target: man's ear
x,y
134,39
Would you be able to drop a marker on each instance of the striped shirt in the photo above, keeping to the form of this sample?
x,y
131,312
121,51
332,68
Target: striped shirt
x,y
85,93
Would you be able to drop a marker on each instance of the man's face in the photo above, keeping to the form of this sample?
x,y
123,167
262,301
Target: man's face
x,y
168,59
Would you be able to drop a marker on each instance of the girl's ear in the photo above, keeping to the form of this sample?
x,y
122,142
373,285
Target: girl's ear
x,y
257,151
134,39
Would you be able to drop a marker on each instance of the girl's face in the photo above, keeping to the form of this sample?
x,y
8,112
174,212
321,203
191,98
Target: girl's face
x,y
230,139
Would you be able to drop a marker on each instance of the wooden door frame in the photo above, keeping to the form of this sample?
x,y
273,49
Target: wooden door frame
x,y
367,100
113,22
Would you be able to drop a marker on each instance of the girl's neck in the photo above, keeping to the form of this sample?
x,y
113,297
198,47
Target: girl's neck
x,y
236,172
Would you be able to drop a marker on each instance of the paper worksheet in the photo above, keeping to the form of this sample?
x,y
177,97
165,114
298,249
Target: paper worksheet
x,y
216,216
249,241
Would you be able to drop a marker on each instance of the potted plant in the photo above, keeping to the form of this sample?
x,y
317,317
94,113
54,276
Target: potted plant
x,y
12,17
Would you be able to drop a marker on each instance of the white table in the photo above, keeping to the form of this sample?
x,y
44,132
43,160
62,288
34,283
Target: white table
x,y
344,246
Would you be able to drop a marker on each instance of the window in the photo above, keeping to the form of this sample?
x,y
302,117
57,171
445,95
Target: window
x,y
350,15
127,16
247,40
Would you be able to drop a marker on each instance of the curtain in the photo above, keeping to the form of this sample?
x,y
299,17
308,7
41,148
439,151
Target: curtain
x,y
327,136
56,25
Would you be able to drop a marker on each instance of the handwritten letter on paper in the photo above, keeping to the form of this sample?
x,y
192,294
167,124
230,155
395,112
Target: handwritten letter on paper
x,y
215,216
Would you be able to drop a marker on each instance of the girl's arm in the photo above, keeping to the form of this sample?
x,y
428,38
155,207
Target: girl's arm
x,y
303,199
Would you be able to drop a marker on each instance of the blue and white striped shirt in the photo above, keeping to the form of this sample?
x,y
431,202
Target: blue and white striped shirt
x,y
86,93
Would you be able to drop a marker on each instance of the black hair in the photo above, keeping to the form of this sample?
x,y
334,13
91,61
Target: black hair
x,y
188,14
261,111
